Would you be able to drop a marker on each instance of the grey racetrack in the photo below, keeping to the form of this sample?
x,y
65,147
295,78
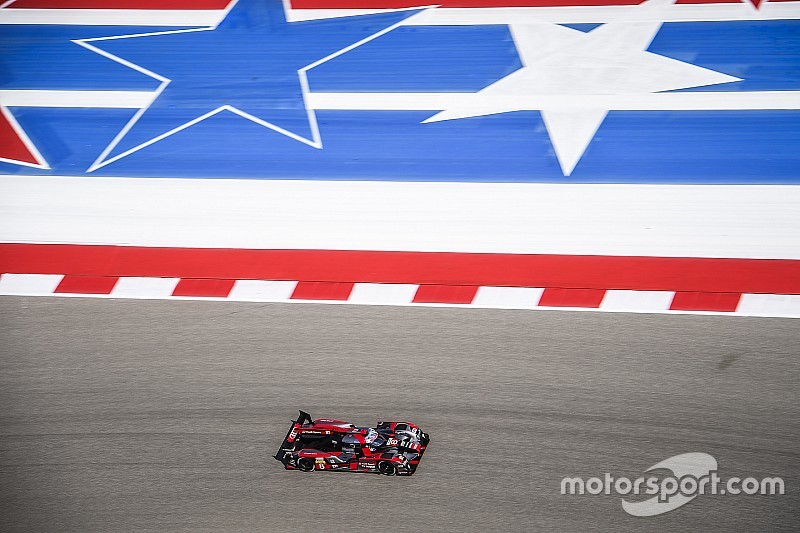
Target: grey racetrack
x,y
122,415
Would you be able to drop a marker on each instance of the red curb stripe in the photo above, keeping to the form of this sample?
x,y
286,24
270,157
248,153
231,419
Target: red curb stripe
x,y
445,294
322,290
560,297
86,285
769,276
705,301
207,288
433,294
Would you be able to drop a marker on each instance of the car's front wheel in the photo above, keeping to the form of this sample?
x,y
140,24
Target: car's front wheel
x,y
305,464
386,468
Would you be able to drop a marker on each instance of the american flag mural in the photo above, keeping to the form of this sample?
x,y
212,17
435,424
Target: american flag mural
x,y
617,155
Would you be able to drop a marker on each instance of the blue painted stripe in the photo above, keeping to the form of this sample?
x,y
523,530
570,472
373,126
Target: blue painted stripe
x,y
45,58
765,54
630,147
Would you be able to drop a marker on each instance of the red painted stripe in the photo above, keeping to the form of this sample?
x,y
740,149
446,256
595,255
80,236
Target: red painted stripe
x,y
86,285
11,144
322,290
306,4
120,4
773,276
206,288
707,1
334,4
559,297
393,4
705,301
445,294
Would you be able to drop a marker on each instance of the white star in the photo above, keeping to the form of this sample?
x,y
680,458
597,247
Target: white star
x,y
568,68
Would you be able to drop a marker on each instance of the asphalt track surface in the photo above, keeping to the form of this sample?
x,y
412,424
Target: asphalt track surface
x,y
162,415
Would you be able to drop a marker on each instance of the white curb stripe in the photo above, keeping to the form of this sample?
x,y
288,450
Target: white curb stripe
x,y
508,297
786,305
382,293
255,290
618,300
756,305
29,284
144,287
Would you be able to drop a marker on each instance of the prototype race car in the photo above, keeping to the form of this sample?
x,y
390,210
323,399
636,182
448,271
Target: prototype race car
x,y
390,448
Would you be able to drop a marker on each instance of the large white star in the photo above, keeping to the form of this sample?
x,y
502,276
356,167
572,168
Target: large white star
x,y
569,68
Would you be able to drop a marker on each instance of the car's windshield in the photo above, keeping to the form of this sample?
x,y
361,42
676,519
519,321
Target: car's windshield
x,y
373,439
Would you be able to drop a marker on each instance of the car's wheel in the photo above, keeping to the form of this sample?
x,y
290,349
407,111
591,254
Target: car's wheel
x,y
424,438
305,464
386,468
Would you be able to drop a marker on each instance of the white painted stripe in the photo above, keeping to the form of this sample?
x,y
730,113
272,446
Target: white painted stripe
x,y
112,17
133,287
29,284
602,14
508,297
382,293
620,300
262,290
444,16
685,101
429,17
300,15
787,305
734,221
104,99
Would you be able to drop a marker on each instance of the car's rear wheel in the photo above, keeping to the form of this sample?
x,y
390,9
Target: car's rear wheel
x,y
305,464
386,468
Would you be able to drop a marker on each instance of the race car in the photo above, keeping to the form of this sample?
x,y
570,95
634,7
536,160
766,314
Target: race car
x,y
390,448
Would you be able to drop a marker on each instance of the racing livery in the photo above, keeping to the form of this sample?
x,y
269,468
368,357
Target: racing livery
x,y
390,448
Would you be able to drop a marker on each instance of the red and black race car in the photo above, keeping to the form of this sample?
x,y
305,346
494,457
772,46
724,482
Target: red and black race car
x,y
390,448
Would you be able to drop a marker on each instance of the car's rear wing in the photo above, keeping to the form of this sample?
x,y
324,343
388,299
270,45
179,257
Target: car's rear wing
x,y
288,442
